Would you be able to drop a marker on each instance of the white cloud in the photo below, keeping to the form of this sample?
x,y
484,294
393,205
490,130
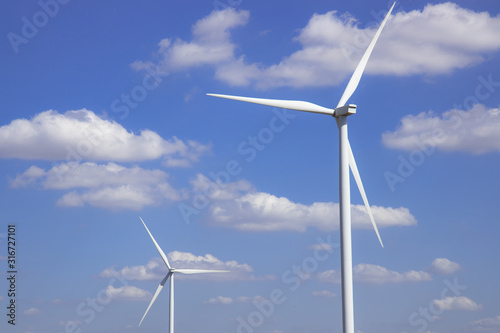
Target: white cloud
x,y
116,198
237,205
82,135
487,325
190,152
475,131
109,186
368,273
155,269
210,44
220,300
32,311
128,293
378,274
443,266
461,303
324,293
437,39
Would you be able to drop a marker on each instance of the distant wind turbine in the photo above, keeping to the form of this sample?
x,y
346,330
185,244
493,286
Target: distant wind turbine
x,y
170,274
346,159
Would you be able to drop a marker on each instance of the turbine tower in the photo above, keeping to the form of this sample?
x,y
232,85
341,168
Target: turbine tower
x,y
346,159
170,274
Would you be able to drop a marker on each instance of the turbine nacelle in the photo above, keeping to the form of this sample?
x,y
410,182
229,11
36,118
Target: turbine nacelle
x,y
345,110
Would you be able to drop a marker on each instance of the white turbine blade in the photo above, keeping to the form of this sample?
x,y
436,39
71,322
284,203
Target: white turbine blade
x,y
355,173
198,271
163,256
284,104
356,76
160,287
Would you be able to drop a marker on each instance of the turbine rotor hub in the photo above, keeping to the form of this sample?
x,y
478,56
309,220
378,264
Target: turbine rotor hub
x,y
345,110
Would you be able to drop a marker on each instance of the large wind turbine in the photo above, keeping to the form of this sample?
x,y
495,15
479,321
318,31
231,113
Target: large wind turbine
x,y
170,274
346,159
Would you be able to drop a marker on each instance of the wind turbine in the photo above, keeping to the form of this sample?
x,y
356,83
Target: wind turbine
x,y
346,159
170,274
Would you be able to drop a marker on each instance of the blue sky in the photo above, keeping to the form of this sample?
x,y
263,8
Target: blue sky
x,y
106,119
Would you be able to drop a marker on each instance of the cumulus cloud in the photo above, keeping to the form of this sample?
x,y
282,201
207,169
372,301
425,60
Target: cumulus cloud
x,y
210,45
436,39
155,269
368,273
460,303
110,185
238,205
491,324
443,266
377,274
128,293
475,131
82,135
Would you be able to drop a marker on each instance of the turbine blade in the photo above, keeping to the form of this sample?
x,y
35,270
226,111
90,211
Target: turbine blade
x,y
162,254
355,173
284,104
198,271
356,76
160,287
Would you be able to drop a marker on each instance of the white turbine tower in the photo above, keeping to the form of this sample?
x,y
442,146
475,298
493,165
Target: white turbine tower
x,y
346,159
170,274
